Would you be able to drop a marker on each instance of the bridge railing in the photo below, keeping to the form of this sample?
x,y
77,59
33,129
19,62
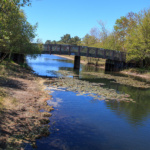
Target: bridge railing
x,y
84,51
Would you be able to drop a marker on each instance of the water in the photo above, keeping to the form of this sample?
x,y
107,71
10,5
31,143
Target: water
x,y
83,123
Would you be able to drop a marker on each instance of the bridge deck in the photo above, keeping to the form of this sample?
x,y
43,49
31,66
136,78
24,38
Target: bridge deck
x,y
84,51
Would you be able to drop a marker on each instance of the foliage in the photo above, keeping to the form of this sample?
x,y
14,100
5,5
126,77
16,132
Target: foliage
x,y
131,34
16,33
48,42
67,39
89,40
138,41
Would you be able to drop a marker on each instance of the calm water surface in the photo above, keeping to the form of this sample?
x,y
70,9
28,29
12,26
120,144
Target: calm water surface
x,y
84,123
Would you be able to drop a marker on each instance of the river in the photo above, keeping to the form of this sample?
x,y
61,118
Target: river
x,y
80,122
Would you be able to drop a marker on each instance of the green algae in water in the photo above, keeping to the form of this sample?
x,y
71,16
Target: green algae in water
x,y
121,80
85,87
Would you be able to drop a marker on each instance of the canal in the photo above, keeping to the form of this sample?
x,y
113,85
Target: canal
x,y
81,122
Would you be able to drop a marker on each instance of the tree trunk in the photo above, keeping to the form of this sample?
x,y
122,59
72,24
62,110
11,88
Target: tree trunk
x,y
9,56
3,57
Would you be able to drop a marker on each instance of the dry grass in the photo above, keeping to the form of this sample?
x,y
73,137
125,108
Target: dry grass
x,y
22,95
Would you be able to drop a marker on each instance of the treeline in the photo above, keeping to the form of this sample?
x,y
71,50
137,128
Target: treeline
x,y
16,33
66,39
131,34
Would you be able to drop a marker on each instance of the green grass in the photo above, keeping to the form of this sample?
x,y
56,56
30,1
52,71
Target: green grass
x,y
9,67
25,65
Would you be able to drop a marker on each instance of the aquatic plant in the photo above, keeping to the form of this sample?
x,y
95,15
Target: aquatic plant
x,y
121,80
94,90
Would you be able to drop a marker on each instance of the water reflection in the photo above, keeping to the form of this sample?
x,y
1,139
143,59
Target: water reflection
x,y
55,103
136,113
45,64
87,68
82,122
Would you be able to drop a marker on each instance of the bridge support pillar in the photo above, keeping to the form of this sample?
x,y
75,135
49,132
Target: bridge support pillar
x,y
77,62
113,65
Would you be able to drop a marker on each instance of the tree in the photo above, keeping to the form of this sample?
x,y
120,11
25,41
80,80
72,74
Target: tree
x,y
22,2
40,44
54,42
16,32
75,40
120,28
103,31
95,32
65,39
138,41
99,35
48,42
89,40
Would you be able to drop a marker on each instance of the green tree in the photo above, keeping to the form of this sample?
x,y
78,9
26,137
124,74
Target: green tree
x,y
48,42
75,40
138,41
40,44
54,42
89,40
16,32
65,39
120,28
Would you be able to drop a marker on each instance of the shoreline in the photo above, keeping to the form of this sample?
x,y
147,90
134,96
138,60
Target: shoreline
x,y
125,72
142,76
22,96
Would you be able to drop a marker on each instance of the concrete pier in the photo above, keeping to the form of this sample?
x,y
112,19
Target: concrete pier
x,y
113,65
77,62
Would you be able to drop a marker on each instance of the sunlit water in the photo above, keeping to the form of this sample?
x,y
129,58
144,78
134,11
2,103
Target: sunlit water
x,y
84,123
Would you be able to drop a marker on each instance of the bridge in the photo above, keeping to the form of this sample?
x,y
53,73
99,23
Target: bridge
x,y
115,60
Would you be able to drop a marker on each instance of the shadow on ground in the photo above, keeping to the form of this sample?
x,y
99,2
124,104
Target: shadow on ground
x,y
11,83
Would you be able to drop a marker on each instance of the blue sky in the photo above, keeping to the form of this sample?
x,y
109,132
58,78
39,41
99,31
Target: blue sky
x,y
56,18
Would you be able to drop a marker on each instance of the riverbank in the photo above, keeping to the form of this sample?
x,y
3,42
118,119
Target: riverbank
x,y
136,74
22,96
132,72
82,114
